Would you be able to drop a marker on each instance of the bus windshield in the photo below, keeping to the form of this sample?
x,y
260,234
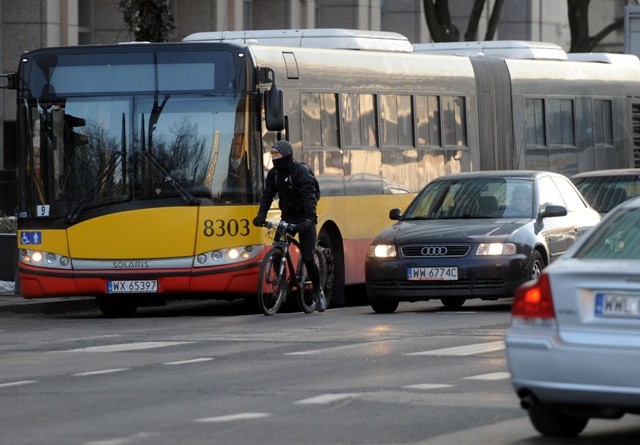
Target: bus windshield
x,y
110,147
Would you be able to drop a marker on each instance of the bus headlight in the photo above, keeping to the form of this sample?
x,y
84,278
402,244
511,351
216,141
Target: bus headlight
x,y
44,259
226,256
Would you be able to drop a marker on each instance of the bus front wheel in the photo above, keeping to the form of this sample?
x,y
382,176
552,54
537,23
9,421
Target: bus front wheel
x,y
334,281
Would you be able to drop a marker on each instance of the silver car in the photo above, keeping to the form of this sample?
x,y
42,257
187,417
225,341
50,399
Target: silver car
x,y
573,347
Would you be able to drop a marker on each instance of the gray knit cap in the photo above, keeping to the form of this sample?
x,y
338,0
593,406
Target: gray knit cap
x,y
284,147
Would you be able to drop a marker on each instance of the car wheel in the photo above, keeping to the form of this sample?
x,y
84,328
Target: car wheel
x,y
384,306
453,302
550,421
536,265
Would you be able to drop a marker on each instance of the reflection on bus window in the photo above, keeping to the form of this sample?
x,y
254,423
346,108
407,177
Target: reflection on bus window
x,y
560,114
428,117
396,120
455,121
602,122
359,120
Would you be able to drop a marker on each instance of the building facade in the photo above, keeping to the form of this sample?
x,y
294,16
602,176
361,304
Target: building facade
x,y
30,24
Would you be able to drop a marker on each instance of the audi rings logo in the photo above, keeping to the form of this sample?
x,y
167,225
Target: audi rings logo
x,y
434,251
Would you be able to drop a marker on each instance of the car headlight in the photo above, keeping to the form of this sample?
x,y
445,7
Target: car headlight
x,y
496,249
382,251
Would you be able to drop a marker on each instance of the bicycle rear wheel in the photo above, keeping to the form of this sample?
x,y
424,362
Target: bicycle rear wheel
x,y
306,299
272,287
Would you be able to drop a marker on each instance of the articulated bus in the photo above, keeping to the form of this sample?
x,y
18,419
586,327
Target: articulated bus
x,y
141,165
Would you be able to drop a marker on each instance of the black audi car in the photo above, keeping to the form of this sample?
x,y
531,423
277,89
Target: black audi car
x,y
474,235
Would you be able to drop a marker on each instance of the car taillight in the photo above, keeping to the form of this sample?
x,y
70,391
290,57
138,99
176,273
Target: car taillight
x,y
533,300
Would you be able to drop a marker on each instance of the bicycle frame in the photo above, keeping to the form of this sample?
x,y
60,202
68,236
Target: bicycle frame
x,y
280,282
283,240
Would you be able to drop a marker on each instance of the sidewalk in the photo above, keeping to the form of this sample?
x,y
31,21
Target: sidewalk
x,y
10,302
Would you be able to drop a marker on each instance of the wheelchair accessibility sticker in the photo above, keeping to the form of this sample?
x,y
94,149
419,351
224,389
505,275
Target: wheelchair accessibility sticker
x,y
31,238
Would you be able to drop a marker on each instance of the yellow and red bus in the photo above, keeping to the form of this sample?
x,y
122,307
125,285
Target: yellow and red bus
x,y
141,165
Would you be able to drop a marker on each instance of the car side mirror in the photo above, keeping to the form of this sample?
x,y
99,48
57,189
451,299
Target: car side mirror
x,y
553,210
395,214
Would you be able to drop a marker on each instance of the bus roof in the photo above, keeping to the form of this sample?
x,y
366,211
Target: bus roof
x,y
505,49
614,59
311,38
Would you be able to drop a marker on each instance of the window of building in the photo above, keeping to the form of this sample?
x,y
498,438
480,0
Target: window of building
x,y
85,22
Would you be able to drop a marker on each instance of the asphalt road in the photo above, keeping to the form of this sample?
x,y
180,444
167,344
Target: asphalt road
x,y
215,372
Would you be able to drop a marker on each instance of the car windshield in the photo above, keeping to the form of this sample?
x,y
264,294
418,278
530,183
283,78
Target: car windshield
x,y
473,198
617,237
605,192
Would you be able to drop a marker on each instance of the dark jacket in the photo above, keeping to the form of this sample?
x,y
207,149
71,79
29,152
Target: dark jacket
x,y
295,187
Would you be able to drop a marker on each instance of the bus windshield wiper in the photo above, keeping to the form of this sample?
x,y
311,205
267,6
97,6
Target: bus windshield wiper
x,y
184,194
113,163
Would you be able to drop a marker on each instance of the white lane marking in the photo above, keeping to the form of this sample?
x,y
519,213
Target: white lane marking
x,y
464,350
186,362
129,346
94,337
100,372
338,348
123,440
428,386
325,398
21,382
490,376
232,417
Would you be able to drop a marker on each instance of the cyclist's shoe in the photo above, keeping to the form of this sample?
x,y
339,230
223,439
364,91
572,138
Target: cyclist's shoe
x,y
321,301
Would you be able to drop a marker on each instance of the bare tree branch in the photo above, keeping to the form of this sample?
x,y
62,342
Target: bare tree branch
x,y
474,19
493,20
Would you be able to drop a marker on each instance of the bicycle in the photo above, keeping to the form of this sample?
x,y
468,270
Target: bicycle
x,y
280,277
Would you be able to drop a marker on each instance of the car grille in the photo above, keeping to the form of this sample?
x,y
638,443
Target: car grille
x,y
394,285
434,250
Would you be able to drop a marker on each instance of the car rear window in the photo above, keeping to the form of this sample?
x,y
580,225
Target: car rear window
x,y
605,192
617,237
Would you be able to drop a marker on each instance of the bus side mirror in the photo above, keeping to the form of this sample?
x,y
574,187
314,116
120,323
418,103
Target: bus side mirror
x,y
273,100
274,108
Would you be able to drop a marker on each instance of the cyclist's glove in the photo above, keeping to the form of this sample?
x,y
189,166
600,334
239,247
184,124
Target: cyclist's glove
x,y
259,220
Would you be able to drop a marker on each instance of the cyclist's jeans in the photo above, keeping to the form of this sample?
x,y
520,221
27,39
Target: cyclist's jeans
x,y
307,238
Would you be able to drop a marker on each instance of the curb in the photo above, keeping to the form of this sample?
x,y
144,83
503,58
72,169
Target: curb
x,y
17,304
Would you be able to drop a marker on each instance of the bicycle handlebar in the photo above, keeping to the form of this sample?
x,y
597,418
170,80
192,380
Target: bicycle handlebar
x,y
282,224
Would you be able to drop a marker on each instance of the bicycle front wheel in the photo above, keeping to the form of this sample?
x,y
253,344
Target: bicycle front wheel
x,y
272,285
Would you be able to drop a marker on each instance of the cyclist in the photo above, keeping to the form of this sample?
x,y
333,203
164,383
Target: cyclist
x,y
294,184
